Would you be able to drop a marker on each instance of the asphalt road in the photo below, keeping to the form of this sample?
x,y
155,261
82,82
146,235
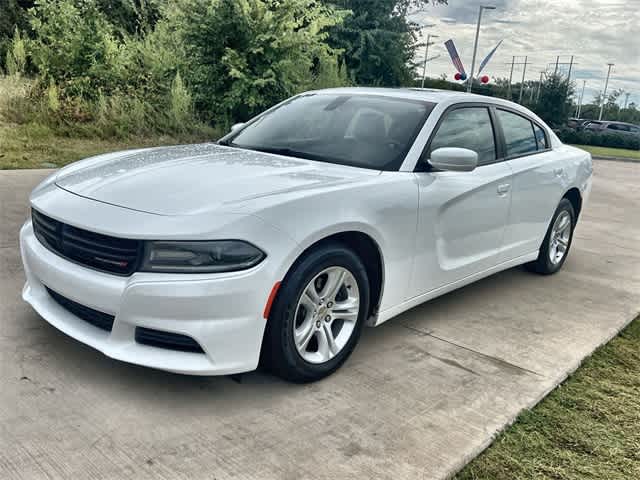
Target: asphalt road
x,y
422,394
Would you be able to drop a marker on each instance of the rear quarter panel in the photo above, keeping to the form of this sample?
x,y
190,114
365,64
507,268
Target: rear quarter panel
x,y
579,167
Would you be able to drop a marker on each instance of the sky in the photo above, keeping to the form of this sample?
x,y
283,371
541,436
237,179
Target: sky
x,y
595,32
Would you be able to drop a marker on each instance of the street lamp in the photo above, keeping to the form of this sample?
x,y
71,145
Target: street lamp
x,y
579,111
426,57
475,45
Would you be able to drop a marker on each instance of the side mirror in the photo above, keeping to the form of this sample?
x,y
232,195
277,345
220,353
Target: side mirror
x,y
236,126
454,159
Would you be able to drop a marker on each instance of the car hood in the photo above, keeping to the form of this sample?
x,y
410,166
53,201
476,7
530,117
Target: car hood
x,y
192,179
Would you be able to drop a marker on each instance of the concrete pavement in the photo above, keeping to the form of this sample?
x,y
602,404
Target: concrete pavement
x,y
421,396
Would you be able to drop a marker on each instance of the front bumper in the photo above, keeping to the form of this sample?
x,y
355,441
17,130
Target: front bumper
x,y
222,312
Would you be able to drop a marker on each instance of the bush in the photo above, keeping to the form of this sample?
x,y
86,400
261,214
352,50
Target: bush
x,y
13,94
599,139
181,112
16,60
168,69
246,55
98,80
75,47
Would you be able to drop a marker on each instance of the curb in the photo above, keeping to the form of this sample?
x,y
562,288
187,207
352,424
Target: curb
x,y
617,159
530,405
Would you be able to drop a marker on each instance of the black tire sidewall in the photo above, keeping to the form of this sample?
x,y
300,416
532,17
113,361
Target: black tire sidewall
x,y
284,358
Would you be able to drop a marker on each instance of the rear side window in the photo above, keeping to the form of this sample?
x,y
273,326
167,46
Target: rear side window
x,y
541,138
468,127
518,133
619,128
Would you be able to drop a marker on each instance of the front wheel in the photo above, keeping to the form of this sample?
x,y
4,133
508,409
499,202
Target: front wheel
x,y
318,314
557,241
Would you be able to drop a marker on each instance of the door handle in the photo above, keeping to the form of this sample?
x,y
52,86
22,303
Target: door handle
x,y
558,171
503,188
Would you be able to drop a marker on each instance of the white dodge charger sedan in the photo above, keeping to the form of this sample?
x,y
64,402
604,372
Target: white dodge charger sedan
x,y
276,245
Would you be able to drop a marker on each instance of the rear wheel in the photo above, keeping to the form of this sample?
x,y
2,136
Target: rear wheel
x,y
318,314
557,241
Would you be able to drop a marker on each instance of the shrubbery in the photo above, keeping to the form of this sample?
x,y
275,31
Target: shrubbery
x,y
181,67
598,139
246,55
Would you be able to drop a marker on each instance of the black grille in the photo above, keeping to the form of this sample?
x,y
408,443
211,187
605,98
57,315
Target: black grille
x,y
94,250
98,319
170,341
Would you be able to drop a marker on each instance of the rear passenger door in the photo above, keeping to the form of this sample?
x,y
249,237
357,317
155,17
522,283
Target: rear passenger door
x,y
537,182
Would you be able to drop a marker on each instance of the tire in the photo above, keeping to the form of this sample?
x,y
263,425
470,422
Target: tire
x,y
292,311
544,264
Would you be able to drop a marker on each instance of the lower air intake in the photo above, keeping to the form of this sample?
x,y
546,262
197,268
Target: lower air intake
x,y
166,340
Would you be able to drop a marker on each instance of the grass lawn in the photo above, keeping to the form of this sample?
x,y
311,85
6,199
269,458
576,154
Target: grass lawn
x,y
611,152
588,428
33,146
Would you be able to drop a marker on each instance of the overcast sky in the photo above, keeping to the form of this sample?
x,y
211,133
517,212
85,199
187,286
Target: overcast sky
x,y
596,32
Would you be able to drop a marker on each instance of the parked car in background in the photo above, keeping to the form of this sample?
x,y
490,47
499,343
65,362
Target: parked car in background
x,y
577,123
612,127
334,209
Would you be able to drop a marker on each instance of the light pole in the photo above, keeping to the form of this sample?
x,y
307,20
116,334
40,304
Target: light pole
x,y
524,72
584,84
604,94
539,86
475,45
426,57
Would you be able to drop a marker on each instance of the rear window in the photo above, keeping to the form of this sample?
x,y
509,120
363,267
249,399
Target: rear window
x,y
541,138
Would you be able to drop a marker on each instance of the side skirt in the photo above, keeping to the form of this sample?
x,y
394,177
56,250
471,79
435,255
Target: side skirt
x,y
389,313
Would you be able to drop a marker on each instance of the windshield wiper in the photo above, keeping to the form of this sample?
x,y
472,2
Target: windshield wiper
x,y
279,151
286,151
290,152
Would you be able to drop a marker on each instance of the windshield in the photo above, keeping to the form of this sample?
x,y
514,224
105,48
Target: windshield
x,y
366,131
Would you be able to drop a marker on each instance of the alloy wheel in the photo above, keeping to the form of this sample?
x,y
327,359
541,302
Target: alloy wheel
x,y
326,315
560,237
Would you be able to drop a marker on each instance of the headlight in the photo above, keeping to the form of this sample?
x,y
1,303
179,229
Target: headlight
x,y
200,257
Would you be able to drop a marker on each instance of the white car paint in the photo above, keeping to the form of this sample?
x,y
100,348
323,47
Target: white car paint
x,y
435,232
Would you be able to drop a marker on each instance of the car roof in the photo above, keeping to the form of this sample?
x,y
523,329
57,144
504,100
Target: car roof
x,y
432,95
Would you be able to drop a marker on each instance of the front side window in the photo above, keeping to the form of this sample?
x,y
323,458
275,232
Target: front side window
x,y
468,127
518,133
368,131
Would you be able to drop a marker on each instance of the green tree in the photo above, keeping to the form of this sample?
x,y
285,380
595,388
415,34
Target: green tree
x,y
246,55
554,105
377,40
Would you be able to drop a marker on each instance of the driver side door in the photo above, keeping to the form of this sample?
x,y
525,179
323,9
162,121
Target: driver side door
x,y
462,215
